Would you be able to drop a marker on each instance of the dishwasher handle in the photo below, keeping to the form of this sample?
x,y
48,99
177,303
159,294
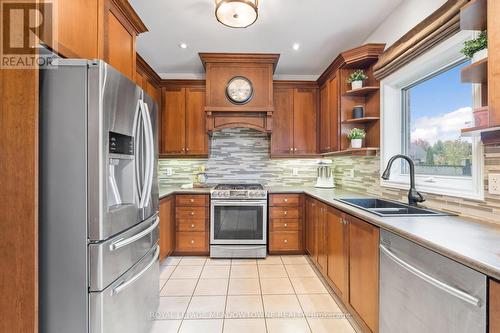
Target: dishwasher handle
x,y
429,279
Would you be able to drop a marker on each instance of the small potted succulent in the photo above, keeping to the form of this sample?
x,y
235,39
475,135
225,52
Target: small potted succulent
x,y
476,49
356,135
356,79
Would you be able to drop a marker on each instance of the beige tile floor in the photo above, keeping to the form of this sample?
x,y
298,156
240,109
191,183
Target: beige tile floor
x,y
274,295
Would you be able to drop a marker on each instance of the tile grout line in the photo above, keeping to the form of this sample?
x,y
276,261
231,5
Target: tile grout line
x,y
189,303
227,294
262,297
298,300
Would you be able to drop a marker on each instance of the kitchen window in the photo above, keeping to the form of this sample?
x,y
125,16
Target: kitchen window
x,y
424,107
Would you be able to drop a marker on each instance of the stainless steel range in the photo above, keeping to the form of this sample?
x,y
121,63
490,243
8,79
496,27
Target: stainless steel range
x,y
238,221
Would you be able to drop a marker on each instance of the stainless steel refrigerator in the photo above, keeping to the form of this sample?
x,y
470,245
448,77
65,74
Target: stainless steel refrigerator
x,y
98,201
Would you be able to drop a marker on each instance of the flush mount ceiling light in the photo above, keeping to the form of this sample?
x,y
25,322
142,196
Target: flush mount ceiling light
x,y
236,13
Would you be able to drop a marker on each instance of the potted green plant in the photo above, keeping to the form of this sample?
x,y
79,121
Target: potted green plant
x,y
356,135
476,49
356,79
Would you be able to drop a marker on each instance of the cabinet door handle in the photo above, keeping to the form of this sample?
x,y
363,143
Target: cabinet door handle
x,y
285,212
286,225
291,149
294,149
187,149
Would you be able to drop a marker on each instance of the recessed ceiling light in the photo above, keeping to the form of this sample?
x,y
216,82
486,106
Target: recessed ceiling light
x,y
183,45
296,46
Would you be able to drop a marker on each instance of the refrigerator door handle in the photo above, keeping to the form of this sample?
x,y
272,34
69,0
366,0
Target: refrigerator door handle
x,y
151,152
429,279
122,286
136,134
144,193
126,241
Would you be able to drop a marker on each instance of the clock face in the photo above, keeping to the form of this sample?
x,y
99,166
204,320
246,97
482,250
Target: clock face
x,y
239,90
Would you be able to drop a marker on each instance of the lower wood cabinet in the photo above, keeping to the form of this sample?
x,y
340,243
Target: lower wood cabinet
x,y
345,251
166,240
337,252
364,270
494,306
286,223
192,224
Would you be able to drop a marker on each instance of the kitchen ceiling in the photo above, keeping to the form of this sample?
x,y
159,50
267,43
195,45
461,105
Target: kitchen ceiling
x,y
321,28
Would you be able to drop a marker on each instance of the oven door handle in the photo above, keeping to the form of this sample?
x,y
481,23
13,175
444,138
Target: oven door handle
x,y
239,203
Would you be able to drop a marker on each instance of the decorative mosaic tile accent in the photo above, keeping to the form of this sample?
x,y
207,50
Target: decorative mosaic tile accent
x,y
241,155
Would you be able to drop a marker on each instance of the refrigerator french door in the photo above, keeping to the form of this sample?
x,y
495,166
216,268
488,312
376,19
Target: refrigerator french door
x,y
98,196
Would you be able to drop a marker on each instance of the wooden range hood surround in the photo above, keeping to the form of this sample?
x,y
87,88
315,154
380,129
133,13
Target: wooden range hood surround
x,y
222,67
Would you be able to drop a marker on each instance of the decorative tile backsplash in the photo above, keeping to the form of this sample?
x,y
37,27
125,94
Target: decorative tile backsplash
x,y
367,180
242,155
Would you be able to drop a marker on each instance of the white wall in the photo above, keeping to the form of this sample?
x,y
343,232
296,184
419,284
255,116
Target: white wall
x,y
407,15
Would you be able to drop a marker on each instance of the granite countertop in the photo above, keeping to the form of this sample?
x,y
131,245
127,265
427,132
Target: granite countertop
x,y
472,243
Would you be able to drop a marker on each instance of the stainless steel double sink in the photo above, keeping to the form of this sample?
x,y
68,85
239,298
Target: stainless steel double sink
x,y
382,207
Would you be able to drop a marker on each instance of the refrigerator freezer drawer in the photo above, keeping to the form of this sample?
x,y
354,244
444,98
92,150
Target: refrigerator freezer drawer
x,y
108,260
127,305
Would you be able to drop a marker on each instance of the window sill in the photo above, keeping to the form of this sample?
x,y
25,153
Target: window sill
x,y
436,188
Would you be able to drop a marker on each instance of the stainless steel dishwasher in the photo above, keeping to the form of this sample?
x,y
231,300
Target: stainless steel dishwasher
x,y
422,291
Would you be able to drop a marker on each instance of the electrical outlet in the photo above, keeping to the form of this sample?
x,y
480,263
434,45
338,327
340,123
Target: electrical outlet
x,y
169,171
494,183
295,171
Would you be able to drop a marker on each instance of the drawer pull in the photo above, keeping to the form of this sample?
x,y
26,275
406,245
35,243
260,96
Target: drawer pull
x,y
192,225
286,225
285,212
191,200
285,200
192,213
192,241
285,241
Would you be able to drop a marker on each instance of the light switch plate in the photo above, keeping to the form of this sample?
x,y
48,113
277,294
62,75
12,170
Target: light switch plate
x,y
494,183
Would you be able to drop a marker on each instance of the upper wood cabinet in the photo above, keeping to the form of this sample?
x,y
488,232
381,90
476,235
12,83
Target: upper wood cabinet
x,y
364,271
329,116
148,79
120,25
77,33
99,29
294,121
183,122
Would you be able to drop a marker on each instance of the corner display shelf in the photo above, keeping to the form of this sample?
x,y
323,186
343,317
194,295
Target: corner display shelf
x,y
476,72
361,91
360,120
366,151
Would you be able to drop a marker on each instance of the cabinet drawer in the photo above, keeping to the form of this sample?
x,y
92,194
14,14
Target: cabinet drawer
x,y
284,241
191,200
286,224
191,241
284,200
285,212
191,213
191,224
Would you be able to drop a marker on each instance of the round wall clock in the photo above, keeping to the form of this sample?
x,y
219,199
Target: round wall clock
x,y
239,90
